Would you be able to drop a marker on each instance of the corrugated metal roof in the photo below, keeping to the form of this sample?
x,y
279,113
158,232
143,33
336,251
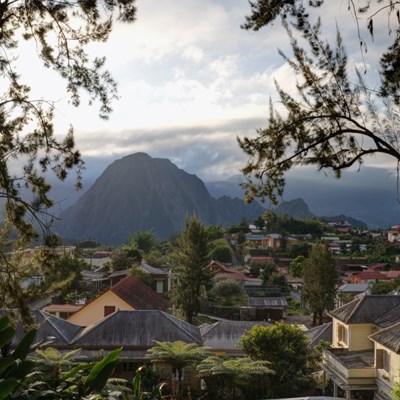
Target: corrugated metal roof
x,y
277,302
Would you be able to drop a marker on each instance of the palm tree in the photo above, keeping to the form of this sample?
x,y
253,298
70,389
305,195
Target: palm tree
x,y
177,354
236,372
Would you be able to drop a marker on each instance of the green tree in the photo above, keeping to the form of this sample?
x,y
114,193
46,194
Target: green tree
x,y
264,12
334,121
299,249
385,287
30,149
143,241
259,223
215,232
189,261
297,266
285,347
227,292
60,32
124,258
320,279
237,373
222,254
267,269
179,355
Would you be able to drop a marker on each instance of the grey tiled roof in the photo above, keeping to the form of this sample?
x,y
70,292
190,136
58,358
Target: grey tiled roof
x,y
366,309
389,318
389,337
225,335
322,332
136,329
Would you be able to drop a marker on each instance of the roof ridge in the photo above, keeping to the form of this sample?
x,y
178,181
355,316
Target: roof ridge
x,y
48,318
168,316
360,300
210,327
94,325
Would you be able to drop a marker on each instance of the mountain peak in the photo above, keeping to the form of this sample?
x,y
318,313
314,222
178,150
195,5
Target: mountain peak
x,y
139,193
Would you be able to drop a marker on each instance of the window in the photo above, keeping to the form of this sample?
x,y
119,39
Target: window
x,y
160,287
382,359
108,310
341,333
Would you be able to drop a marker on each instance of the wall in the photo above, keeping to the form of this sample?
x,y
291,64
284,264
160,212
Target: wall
x,y
94,311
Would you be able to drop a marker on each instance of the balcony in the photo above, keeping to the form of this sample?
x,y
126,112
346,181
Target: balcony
x,y
351,370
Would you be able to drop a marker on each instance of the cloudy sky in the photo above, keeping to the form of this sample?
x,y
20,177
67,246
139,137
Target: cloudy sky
x,y
190,81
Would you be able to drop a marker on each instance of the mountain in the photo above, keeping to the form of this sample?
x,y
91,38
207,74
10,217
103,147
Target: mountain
x,y
139,193
298,208
367,195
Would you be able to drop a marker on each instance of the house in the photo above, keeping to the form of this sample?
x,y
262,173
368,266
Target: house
x,y
393,234
223,336
128,294
159,276
134,331
369,276
264,309
318,333
365,337
219,270
272,240
348,291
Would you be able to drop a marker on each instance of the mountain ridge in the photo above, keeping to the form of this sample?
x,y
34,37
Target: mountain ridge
x,y
140,193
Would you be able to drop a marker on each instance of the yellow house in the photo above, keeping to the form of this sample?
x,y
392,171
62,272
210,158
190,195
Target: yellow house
x,y
361,331
128,294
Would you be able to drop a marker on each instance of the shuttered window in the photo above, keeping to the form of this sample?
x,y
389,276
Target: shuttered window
x,y
379,358
108,310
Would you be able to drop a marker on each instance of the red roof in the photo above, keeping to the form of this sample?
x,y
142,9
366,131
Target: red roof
x,y
139,295
262,259
392,274
377,267
370,274
221,270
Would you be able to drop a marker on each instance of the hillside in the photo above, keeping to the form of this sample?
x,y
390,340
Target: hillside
x,y
139,193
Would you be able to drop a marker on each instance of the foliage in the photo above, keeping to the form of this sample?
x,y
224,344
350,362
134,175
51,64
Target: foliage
x,y
396,392
331,123
267,269
222,254
297,266
299,249
124,258
259,223
236,373
143,241
284,223
385,287
264,12
63,274
278,279
189,264
227,292
141,275
215,232
137,390
285,347
177,354
20,379
320,279
60,32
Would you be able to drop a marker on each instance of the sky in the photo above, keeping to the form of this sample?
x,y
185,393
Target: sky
x,y
190,82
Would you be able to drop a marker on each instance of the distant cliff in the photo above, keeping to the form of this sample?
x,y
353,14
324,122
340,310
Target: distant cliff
x,y
139,193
